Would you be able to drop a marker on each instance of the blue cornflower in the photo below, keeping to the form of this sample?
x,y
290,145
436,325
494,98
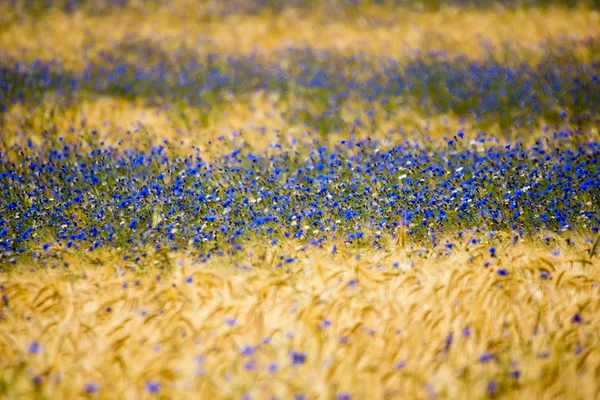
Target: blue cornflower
x,y
486,357
343,396
502,272
298,357
250,365
153,386
492,386
92,387
34,348
492,251
577,318
273,367
189,279
248,350
449,339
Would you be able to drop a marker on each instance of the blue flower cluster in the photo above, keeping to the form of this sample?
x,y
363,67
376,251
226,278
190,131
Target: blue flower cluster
x,y
65,196
221,8
324,86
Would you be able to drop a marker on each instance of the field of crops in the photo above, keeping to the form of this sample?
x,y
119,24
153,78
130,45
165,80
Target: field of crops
x,y
345,199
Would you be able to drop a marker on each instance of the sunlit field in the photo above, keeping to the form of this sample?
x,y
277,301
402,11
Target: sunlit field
x,y
341,200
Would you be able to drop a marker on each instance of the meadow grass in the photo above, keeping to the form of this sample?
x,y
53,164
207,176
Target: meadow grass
x,y
346,200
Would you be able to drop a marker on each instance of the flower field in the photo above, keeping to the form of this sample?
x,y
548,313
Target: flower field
x,y
299,199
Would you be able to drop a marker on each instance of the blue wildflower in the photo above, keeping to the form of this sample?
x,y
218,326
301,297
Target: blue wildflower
x,y
273,367
492,386
344,396
298,357
34,347
486,357
92,387
153,386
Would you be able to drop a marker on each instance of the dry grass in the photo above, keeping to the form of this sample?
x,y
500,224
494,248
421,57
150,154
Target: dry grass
x,y
260,117
161,327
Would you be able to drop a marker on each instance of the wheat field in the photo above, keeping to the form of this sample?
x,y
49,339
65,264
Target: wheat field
x,y
315,200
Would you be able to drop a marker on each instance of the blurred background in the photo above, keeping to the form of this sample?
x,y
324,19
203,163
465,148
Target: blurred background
x,y
271,71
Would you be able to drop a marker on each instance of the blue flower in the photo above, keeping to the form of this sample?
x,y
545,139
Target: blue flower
x,y
248,350
486,357
325,322
273,367
34,347
343,396
449,339
298,357
492,386
250,365
153,386
92,387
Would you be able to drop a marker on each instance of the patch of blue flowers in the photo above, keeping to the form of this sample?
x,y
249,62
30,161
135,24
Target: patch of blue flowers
x,y
324,86
66,195
220,8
